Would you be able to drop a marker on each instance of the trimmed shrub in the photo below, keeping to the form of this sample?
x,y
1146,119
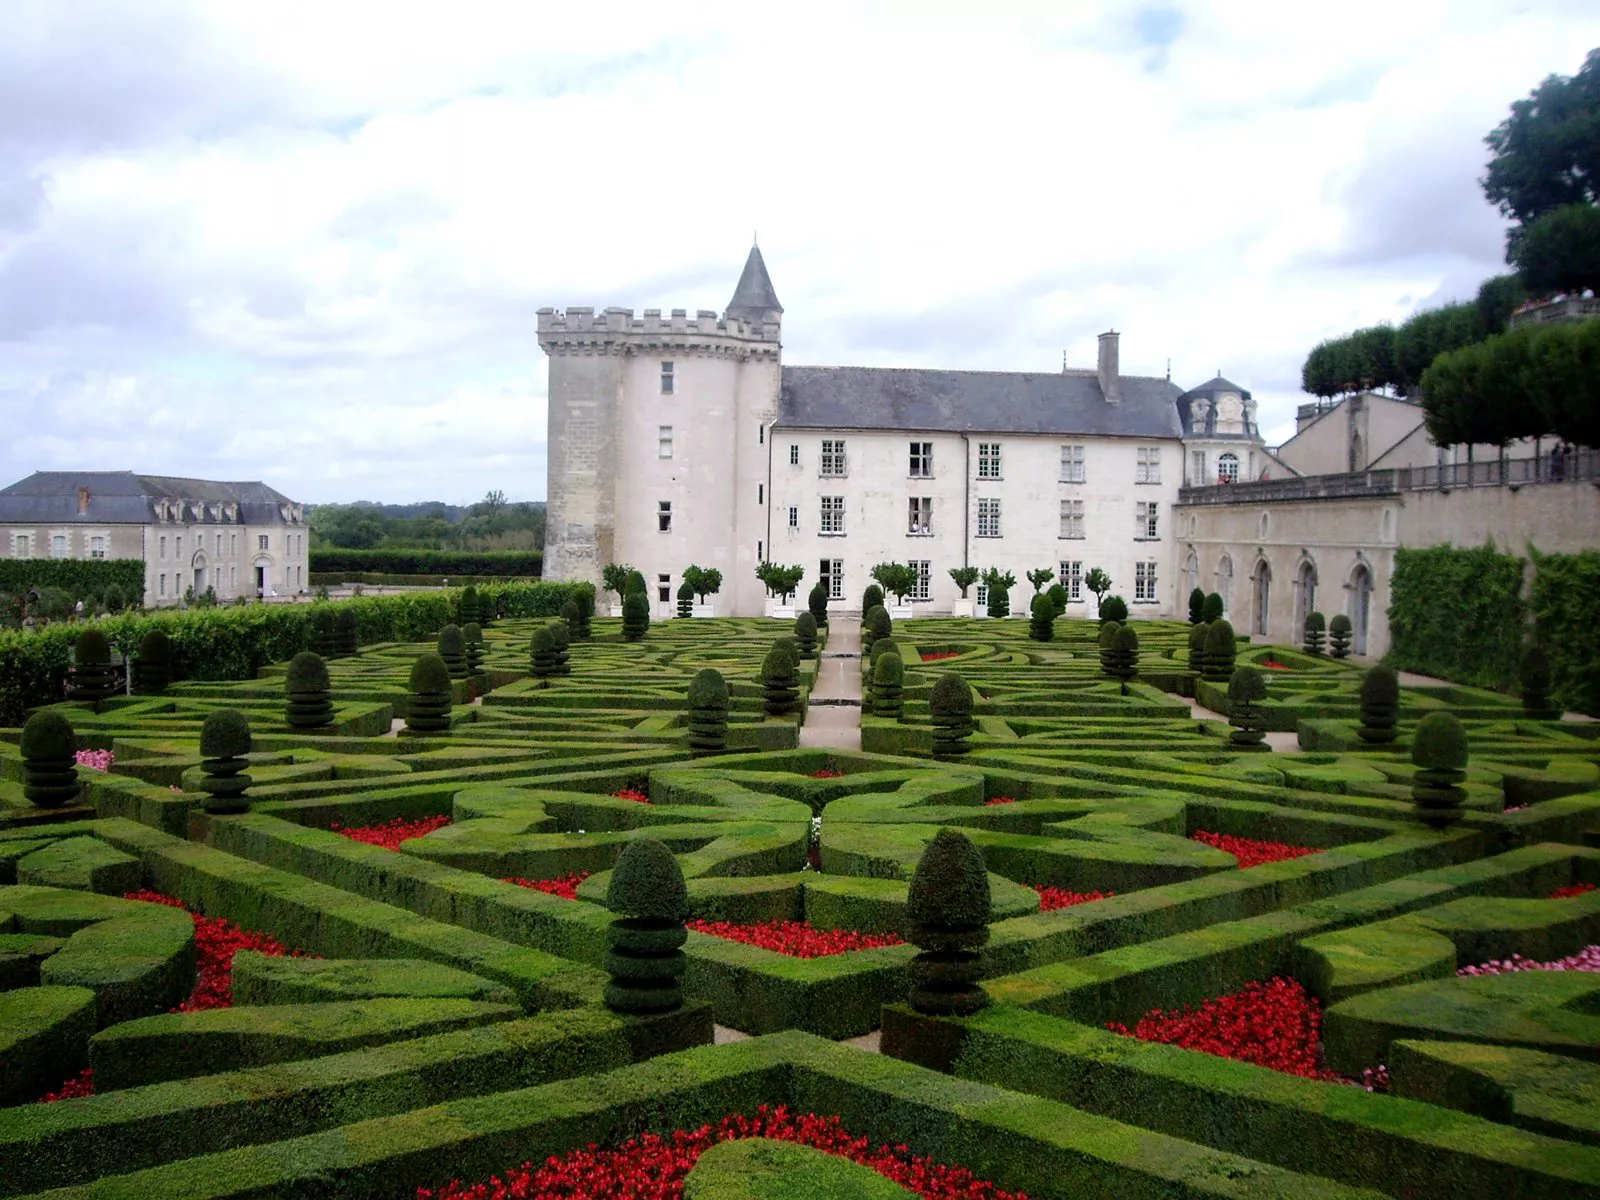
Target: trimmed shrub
x,y
472,638
1105,641
1211,613
999,601
1533,678
1114,608
817,603
1565,603
1042,618
950,706
871,599
1058,598
948,912
708,712
805,633
324,634
635,585
1380,706
310,704
1457,613
428,706
570,617
876,624
584,601
467,606
780,680
1197,646
542,653
1121,659
93,679
49,760
635,616
1315,633
152,670
346,634
888,685
1339,633
224,742
510,564
1246,690
452,648
1221,649
1439,752
562,644
1197,606
685,599
644,944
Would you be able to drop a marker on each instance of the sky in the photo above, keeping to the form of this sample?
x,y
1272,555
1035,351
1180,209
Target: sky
x,y
305,242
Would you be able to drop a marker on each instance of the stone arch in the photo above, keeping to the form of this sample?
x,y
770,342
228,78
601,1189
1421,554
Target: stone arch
x,y
1191,573
1305,592
1261,596
1359,604
199,571
1225,583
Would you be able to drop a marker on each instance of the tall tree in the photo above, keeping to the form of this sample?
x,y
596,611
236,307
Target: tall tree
x,y
1560,251
1547,152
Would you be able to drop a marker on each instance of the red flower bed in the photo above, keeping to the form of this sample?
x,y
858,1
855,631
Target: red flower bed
x,y
565,886
1572,889
827,773
1273,1024
1249,851
652,1167
941,654
633,794
390,836
81,1084
1052,898
798,939
1274,665
999,800
216,942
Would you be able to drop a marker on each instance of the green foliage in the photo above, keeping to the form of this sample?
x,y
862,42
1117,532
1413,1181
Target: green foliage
x,y
1246,690
307,673
1058,598
1439,751
635,585
324,636
648,883
1340,632
964,578
707,581
152,669
1213,609
1565,605
306,682
347,633
635,616
1221,648
1197,606
93,679
1040,577
817,602
999,601
1120,659
1197,645
1456,614
876,624
1528,382
452,648
1533,681
1098,582
644,958
950,708
1380,705
896,579
888,685
542,653
948,909
509,564
562,643
708,690
572,617
1042,618
768,1169
49,760
225,733
871,598
779,680
1546,154
472,635
805,633
80,579
614,578
1315,634
224,742
429,703
1113,608
1560,251
685,599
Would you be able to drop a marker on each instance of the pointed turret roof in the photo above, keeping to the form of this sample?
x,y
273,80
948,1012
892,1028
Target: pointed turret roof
x,y
754,293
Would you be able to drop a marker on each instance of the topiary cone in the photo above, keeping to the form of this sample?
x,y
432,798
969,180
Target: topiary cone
x,y
779,680
948,913
685,600
805,632
571,617
428,706
888,686
1439,751
1197,606
1533,679
1380,706
152,670
635,616
560,643
472,635
583,599
817,603
1042,618
324,635
644,954
870,599
346,633
49,760
467,609
224,743
950,707
92,679
1197,646
452,649
708,712
542,653
310,705
1246,690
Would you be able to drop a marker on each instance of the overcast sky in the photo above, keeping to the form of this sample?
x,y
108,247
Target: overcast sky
x,y
305,242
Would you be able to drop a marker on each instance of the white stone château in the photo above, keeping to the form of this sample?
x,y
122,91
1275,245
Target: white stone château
x,y
676,440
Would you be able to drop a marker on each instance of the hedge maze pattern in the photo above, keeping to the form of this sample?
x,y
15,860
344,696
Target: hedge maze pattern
x,y
409,1013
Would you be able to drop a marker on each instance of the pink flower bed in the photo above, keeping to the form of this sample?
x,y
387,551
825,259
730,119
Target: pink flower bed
x,y
390,835
96,760
1587,959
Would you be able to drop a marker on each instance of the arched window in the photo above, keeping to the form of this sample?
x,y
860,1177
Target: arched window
x,y
1225,584
1228,468
1263,590
1191,572
1305,595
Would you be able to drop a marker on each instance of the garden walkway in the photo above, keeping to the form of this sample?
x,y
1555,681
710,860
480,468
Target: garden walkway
x,y
833,719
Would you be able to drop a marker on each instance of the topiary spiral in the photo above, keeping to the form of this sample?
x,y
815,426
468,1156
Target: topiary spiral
x,y
49,750
1246,690
876,624
1339,631
152,670
324,633
947,911
950,707
472,637
1042,618
310,704
999,601
1380,705
429,703
346,633
1220,650
468,611
1316,633
571,617
1197,606
817,603
452,648
644,955
1533,679
224,742
779,680
888,685
1197,646
1439,752
93,679
542,653
685,599
635,616
805,632
708,712
561,643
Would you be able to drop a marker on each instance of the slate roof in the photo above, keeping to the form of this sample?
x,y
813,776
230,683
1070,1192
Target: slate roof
x,y
896,398
1215,387
754,293
121,497
1210,390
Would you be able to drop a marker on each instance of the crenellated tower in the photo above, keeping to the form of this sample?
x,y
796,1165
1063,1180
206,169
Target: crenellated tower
x,y
658,433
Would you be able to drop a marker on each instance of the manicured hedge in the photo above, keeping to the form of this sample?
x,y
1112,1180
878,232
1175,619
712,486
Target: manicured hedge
x,y
1457,614
1566,612
80,577
501,563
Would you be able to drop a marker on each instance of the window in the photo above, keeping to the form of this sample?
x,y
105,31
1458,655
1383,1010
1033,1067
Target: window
x,y
988,518
664,588
177,547
832,574
1072,464
23,544
988,460
1144,582
1071,577
664,516
921,590
1197,467
761,434
833,458
983,596
921,460
233,577
1228,468
233,543
794,455
1071,519
163,586
58,545
832,514
1148,469
163,547
666,379
794,516
1144,522
664,441
261,542
761,551
919,516
97,546
761,493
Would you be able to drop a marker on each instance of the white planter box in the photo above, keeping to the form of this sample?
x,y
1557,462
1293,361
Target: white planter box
x,y
783,612
616,610
702,610
901,612
962,608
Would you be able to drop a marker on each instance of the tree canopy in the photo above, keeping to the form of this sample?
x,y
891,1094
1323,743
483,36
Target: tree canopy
x,y
1529,382
1547,152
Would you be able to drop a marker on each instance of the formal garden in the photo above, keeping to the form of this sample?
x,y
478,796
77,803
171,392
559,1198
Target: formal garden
x,y
481,894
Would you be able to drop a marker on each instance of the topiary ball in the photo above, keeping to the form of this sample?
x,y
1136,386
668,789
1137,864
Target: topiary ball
x,y
1380,705
428,706
1247,686
307,673
647,883
950,696
429,676
225,733
1108,635
93,649
1211,610
451,641
1114,608
49,760
1440,743
708,689
48,735
948,911
153,669
570,614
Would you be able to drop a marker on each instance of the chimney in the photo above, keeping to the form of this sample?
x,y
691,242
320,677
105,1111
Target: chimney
x,y
1110,381
83,501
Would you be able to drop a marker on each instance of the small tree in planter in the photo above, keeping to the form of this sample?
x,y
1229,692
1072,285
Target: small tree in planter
x,y
49,750
1042,618
429,703
614,578
950,706
780,678
1339,631
1197,646
817,603
948,913
1197,606
93,679
1039,578
152,670
1098,582
685,599
1212,612
1380,705
562,645
644,955
1123,656
785,581
805,633
309,700
964,578
888,685
1220,651
452,648
896,579
708,712
1316,634
706,581
1533,678
542,653
870,599
224,743
1439,751
324,633
472,636
1246,690
1058,598
635,616
346,633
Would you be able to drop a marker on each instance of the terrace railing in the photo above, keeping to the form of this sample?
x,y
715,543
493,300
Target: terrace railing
x,y
1577,466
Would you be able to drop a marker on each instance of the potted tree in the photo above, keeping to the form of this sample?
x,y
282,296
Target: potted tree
x,y
614,578
703,582
1098,582
898,580
781,583
999,584
964,578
